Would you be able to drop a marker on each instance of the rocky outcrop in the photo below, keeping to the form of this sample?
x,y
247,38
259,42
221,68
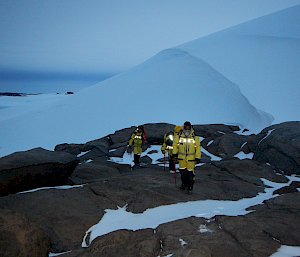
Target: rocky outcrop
x,y
20,237
279,145
64,216
100,168
226,145
34,168
259,233
214,130
143,243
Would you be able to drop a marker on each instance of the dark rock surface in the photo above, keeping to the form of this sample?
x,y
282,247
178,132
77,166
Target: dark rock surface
x,y
60,218
226,145
214,130
258,233
292,188
20,237
279,218
34,168
279,145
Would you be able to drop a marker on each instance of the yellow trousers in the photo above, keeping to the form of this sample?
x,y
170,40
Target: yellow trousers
x,y
189,165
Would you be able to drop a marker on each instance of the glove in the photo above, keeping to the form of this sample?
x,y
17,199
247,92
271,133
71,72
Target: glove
x,y
197,160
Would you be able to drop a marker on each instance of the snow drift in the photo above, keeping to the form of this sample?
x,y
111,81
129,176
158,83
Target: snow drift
x,y
262,56
172,87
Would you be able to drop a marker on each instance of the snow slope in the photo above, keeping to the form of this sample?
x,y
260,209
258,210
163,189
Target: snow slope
x,y
262,56
172,86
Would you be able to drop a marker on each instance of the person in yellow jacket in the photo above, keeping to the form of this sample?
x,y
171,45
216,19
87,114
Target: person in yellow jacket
x,y
136,141
186,148
168,146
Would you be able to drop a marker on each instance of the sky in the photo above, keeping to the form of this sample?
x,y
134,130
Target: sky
x,y
78,43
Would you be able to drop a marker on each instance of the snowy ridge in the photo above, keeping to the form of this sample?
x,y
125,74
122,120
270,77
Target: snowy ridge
x,y
151,92
263,57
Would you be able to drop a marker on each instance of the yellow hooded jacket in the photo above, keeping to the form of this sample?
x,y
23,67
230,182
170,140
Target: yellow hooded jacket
x,y
187,147
136,140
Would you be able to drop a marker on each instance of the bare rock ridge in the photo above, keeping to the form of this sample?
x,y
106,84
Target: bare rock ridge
x,y
56,219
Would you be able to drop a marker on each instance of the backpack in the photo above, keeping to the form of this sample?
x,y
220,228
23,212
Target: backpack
x,y
169,139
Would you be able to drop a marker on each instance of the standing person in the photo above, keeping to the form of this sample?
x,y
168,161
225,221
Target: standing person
x,y
136,141
168,146
186,148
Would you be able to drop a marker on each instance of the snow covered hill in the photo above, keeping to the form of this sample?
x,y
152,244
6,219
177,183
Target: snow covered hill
x,y
262,56
198,81
173,86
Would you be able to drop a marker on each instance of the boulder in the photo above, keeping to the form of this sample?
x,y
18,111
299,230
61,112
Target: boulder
x,y
292,188
35,168
214,130
117,152
226,145
97,169
155,132
101,143
64,215
146,159
74,149
121,136
280,146
20,237
92,154
125,243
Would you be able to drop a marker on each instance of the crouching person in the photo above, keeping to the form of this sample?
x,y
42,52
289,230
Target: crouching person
x,y
186,148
